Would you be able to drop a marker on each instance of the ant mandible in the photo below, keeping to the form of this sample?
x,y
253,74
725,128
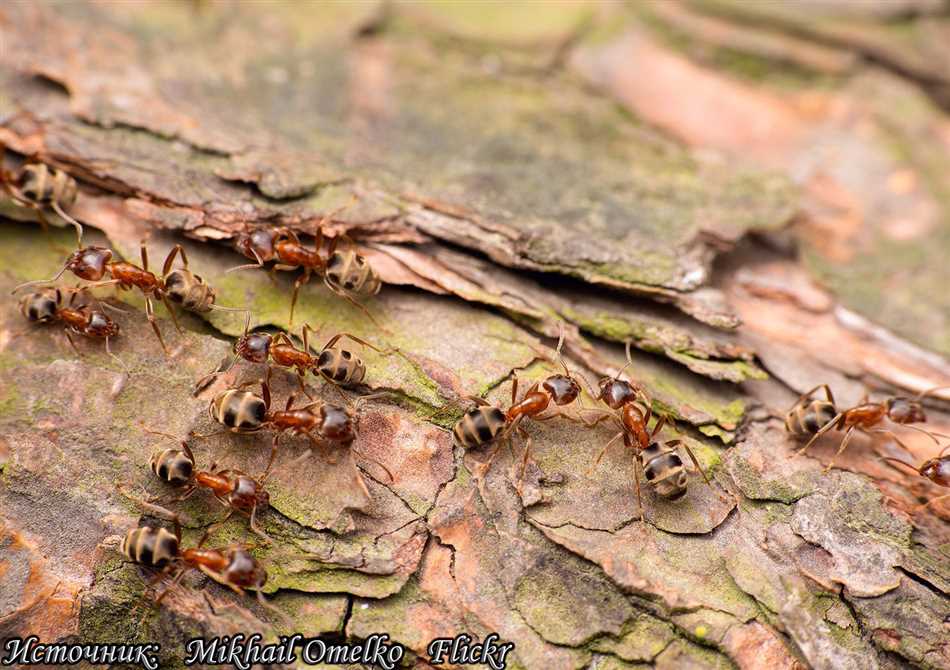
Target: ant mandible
x,y
345,273
816,417
236,490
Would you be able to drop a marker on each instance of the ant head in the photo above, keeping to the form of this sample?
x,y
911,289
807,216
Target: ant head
x,y
257,244
336,424
100,325
248,493
253,347
89,262
937,470
905,410
615,393
562,388
243,570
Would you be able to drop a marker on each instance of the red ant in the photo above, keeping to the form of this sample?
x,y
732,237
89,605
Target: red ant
x,y
234,489
806,415
49,305
156,548
487,424
335,364
344,272
93,263
662,467
36,185
244,412
936,470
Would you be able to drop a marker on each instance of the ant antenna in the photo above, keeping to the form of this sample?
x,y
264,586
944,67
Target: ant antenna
x,y
39,282
891,459
69,219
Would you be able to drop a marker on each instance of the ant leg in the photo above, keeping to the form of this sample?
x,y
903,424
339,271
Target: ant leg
x,y
527,451
72,342
602,452
808,394
353,301
385,352
175,582
255,528
171,311
824,429
150,315
301,280
66,217
930,502
170,258
844,445
638,468
692,457
270,461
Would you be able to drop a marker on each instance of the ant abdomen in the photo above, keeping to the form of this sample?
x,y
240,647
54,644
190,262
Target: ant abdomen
x,y
664,471
173,466
151,547
479,426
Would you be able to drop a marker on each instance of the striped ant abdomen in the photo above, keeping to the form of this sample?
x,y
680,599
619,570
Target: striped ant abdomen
x,y
351,272
239,411
41,306
341,367
173,466
664,471
43,184
809,416
151,547
480,426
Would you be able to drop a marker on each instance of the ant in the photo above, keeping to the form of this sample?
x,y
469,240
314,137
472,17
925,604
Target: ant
x,y
486,424
159,549
816,417
244,412
345,273
662,466
936,470
335,364
37,185
93,263
49,305
234,489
